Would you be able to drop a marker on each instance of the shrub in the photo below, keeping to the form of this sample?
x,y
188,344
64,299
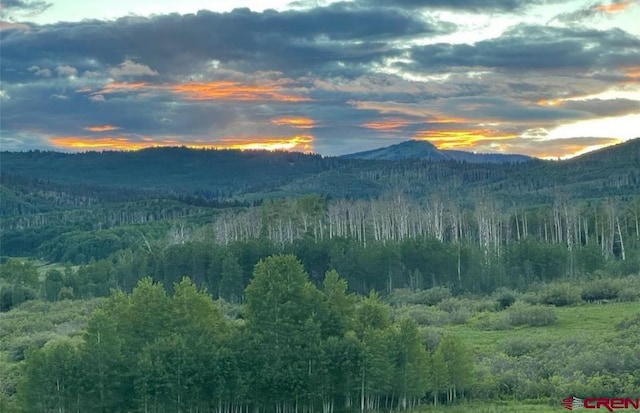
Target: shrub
x,y
491,321
432,296
530,298
628,288
629,322
628,295
425,316
451,305
484,304
460,316
518,346
604,289
532,315
560,295
505,298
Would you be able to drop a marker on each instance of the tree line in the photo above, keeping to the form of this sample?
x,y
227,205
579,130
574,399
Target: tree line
x,y
297,348
124,257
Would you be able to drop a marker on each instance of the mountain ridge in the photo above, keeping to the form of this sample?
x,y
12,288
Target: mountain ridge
x,y
424,150
250,176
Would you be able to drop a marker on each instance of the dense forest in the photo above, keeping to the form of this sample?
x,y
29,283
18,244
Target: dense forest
x,y
193,281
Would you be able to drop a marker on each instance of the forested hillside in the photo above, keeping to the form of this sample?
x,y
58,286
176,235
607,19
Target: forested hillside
x,y
174,279
224,174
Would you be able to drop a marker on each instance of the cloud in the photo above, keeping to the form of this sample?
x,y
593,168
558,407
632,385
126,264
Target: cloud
x,y
353,75
615,7
534,48
595,10
470,109
546,148
129,68
602,107
7,25
232,91
387,124
459,5
462,138
340,38
39,71
203,91
101,128
18,9
294,122
66,71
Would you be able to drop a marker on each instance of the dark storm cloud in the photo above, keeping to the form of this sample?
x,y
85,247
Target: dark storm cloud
x,y
459,5
535,48
290,41
46,108
9,8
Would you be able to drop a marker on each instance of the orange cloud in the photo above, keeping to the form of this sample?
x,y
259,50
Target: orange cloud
x,y
387,125
558,101
449,120
632,71
613,7
549,102
229,90
459,138
101,128
120,87
214,90
299,143
295,122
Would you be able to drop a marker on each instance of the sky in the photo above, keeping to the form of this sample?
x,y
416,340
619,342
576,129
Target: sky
x,y
546,78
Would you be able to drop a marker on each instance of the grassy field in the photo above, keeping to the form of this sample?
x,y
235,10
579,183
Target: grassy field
x,y
496,408
577,322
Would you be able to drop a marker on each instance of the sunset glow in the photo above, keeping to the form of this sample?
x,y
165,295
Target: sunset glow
x,y
386,125
119,143
457,139
216,90
299,123
619,127
118,87
632,72
568,150
101,128
299,143
613,7
231,91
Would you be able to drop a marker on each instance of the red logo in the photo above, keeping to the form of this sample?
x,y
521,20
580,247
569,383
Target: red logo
x,y
573,403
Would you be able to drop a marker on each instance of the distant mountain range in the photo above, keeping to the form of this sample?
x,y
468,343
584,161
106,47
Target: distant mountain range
x,y
415,168
424,150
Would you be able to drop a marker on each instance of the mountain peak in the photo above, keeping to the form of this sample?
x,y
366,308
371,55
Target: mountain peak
x,y
425,150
